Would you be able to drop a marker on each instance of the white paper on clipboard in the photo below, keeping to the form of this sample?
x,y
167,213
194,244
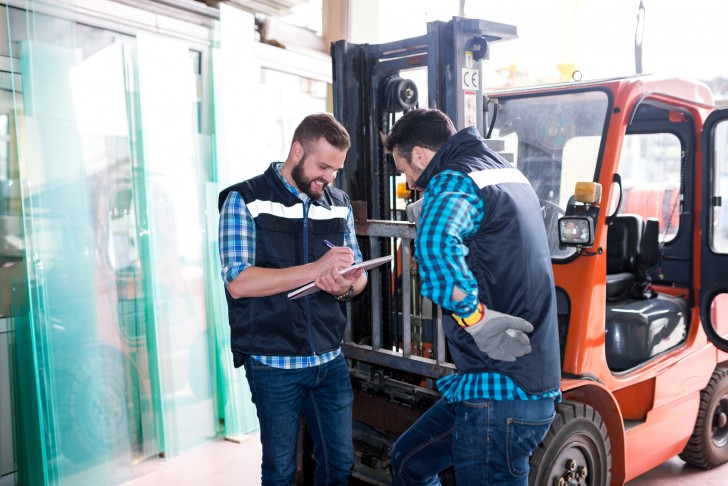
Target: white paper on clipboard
x,y
310,287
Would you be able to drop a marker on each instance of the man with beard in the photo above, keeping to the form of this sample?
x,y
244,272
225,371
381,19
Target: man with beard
x,y
278,231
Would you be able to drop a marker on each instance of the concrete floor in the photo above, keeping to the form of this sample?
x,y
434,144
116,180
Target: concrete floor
x,y
225,463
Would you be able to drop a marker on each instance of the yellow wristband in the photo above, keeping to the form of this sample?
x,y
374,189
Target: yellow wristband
x,y
472,319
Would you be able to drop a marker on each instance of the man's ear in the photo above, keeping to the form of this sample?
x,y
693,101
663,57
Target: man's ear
x,y
296,151
419,157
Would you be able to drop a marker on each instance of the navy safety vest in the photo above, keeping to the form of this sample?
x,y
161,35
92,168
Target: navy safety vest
x,y
288,233
509,257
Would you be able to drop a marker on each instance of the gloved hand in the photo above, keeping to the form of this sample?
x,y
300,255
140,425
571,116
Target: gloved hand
x,y
413,211
501,336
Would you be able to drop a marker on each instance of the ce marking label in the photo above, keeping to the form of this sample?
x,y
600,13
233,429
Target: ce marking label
x,y
471,79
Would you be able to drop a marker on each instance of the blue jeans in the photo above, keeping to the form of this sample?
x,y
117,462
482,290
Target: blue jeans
x,y
488,442
323,393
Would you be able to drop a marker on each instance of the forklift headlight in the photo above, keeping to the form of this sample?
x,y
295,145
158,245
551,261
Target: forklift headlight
x,y
576,231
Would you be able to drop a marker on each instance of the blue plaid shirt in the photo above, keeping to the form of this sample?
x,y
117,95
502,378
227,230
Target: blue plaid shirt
x,y
452,211
237,252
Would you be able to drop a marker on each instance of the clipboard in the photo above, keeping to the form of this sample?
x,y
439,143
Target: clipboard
x,y
310,287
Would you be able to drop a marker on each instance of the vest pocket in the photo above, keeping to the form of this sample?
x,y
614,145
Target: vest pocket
x,y
276,243
332,230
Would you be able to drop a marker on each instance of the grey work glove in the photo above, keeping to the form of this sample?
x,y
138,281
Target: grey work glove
x,y
501,336
413,211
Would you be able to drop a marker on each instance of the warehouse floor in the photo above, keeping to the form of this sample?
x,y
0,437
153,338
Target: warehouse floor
x,y
225,463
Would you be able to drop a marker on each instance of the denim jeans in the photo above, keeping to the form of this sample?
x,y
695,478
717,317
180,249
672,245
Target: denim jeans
x,y
323,393
488,442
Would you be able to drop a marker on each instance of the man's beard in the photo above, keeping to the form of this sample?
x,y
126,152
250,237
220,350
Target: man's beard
x,y
304,183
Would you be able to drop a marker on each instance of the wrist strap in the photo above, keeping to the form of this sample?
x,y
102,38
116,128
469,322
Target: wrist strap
x,y
473,318
346,295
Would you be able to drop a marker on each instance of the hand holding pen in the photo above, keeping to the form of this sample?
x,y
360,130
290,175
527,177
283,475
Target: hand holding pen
x,y
336,258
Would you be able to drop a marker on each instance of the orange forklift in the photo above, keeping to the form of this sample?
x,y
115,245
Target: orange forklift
x,y
630,173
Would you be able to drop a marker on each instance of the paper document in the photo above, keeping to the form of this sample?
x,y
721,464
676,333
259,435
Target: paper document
x,y
310,287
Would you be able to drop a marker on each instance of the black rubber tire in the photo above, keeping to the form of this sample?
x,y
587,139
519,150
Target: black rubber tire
x,y
708,446
97,408
579,433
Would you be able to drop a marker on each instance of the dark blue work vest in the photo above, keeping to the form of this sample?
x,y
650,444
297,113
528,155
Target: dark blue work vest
x,y
509,257
288,233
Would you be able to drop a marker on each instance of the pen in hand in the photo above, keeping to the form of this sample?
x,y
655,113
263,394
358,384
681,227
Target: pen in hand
x,y
329,244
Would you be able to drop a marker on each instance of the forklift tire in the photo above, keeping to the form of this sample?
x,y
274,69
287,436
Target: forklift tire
x,y
708,446
96,408
575,451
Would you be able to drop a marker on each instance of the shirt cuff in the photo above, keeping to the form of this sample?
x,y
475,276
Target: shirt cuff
x,y
231,272
466,306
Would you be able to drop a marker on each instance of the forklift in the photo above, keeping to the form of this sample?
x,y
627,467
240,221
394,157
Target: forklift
x,y
630,173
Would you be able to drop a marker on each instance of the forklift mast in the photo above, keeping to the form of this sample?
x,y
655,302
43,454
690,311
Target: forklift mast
x,y
372,84
368,91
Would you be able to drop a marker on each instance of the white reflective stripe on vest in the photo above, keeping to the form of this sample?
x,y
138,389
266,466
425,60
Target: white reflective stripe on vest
x,y
294,212
492,177
320,212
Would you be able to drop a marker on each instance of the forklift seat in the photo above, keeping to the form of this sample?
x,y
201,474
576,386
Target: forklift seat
x,y
623,245
638,325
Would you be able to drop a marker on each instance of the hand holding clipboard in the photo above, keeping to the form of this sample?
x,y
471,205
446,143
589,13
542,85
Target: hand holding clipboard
x,y
310,287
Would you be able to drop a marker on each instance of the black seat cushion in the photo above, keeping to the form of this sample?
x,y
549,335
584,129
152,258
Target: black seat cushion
x,y
619,285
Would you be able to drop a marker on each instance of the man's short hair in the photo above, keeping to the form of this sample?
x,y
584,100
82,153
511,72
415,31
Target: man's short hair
x,y
422,127
318,125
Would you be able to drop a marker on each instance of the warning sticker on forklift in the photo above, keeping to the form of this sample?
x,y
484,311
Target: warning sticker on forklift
x,y
470,106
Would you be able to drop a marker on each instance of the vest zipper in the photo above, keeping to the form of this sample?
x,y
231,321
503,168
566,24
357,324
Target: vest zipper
x,y
306,206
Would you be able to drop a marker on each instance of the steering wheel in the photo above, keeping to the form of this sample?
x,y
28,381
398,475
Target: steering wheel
x,y
551,213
